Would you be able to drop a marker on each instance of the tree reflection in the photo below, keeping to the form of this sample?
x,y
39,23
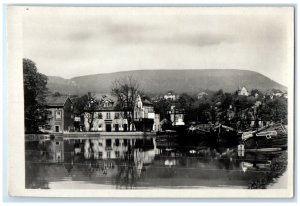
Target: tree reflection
x,y
127,176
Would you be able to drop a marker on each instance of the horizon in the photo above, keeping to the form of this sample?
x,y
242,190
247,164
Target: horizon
x,y
71,42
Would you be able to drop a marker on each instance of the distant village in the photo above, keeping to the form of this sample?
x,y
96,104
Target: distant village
x,y
64,117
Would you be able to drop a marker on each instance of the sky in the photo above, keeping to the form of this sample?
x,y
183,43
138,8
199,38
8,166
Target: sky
x,y
70,42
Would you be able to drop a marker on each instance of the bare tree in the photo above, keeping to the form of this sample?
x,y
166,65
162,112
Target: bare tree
x,y
87,106
127,90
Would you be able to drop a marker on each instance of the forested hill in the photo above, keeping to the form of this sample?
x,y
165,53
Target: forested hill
x,y
161,81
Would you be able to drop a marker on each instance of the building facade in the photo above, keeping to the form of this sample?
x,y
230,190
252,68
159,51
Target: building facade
x,y
170,96
107,118
144,110
60,114
201,95
176,116
243,92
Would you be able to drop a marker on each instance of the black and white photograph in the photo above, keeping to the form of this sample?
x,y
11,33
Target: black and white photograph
x,y
146,101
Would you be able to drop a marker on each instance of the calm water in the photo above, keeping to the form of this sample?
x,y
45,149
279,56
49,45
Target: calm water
x,y
128,162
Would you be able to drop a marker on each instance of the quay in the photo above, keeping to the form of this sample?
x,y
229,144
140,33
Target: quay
x,y
112,135
88,135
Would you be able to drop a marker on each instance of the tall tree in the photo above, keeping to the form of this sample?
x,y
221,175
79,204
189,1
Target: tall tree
x,y
35,91
87,105
127,90
162,107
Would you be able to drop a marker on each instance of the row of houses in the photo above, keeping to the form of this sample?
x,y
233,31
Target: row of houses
x,y
242,91
62,116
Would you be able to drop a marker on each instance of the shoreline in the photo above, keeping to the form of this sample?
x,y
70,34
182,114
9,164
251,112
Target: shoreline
x,y
88,135
281,182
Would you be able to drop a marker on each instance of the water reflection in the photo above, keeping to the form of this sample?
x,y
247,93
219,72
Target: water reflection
x,y
127,162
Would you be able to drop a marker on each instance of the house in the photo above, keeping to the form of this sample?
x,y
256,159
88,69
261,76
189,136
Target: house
x,y
176,116
107,117
60,114
256,95
144,112
170,96
277,92
243,92
55,150
201,95
157,125
144,108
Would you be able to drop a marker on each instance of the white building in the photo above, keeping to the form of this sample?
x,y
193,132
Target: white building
x,y
170,96
107,117
200,95
176,116
243,92
144,109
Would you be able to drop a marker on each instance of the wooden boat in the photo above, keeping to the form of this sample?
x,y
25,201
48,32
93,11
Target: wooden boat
x,y
272,136
215,135
226,136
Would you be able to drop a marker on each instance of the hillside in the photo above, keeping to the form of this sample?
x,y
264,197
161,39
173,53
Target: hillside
x,y
160,81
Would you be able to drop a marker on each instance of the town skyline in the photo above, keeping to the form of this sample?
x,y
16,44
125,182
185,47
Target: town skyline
x,y
85,43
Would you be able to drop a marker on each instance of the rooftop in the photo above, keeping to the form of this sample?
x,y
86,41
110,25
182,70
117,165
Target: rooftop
x,y
146,102
56,101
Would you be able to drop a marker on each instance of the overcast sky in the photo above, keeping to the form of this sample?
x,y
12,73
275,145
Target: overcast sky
x,y
74,42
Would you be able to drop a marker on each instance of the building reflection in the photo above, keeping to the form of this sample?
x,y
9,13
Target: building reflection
x,y
121,159
128,162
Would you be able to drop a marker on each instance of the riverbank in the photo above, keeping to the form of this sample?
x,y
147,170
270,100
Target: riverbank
x,y
274,178
282,182
87,135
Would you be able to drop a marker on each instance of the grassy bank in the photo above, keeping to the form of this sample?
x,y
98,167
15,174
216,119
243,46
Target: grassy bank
x,y
277,168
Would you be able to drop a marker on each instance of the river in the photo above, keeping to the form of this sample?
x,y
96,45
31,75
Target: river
x,y
139,162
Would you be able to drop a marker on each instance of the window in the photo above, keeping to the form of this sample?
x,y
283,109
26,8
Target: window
x,y
108,142
107,115
100,115
117,154
57,143
125,142
100,154
117,115
106,104
49,113
108,155
58,115
117,142
47,127
116,127
56,128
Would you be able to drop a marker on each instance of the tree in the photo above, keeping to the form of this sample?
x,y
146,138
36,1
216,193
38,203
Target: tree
x,y
217,96
127,90
87,105
275,110
35,91
253,92
204,112
162,107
